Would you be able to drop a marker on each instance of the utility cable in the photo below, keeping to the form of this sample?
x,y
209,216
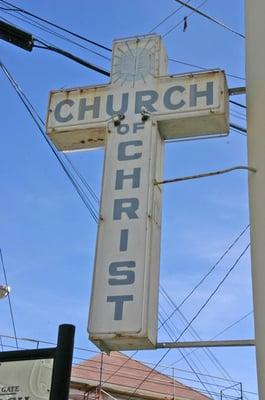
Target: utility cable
x,y
166,18
21,10
174,333
232,325
186,18
214,292
69,175
208,352
71,57
42,27
208,273
33,111
238,104
212,19
193,319
203,69
189,363
238,128
239,132
89,65
9,300
218,334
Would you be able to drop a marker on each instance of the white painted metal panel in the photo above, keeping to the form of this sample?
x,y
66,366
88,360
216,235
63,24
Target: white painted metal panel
x,y
185,105
134,324
124,302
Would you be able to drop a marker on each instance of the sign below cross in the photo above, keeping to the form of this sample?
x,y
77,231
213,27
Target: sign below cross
x,y
132,117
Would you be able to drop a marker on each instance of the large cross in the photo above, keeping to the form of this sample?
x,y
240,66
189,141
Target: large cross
x,y
132,116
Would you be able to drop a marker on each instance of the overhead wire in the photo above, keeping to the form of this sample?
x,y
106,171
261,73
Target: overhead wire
x,y
238,127
215,291
233,324
195,316
238,104
217,335
21,10
174,332
39,124
167,17
42,27
186,18
71,56
9,299
188,361
85,63
210,18
207,351
211,270
203,68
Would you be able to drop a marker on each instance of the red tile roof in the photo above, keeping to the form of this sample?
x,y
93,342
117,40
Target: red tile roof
x,y
122,375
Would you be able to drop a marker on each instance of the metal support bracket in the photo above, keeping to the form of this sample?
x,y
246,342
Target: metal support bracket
x,y
216,343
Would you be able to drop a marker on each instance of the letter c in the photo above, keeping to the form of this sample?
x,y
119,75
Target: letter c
x,y
58,108
122,154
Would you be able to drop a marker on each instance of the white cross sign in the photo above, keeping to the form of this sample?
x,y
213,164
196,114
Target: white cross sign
x,y
132,117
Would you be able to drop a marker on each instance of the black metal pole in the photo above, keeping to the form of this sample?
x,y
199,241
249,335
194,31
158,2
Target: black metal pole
x,y
63,363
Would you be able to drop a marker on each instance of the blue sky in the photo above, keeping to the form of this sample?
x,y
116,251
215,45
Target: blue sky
x,y
47,235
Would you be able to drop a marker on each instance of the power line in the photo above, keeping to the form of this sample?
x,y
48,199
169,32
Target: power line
x,y
233,324
218,334
212,19
21,10
174,333
42,27
71,57
214,292
40,120
67,54
208,273
83,62
238,127
202,68
238,104
188,362
166,18
186,18
196,336
31,110
194,317
239,132
9,300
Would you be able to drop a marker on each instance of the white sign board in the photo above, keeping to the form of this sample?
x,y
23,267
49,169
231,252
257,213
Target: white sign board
x,y
26,380
131,117
184,105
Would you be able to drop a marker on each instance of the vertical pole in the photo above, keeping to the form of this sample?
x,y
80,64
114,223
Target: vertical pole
x,y
174,386
63,363
100,377
241,391
255,67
